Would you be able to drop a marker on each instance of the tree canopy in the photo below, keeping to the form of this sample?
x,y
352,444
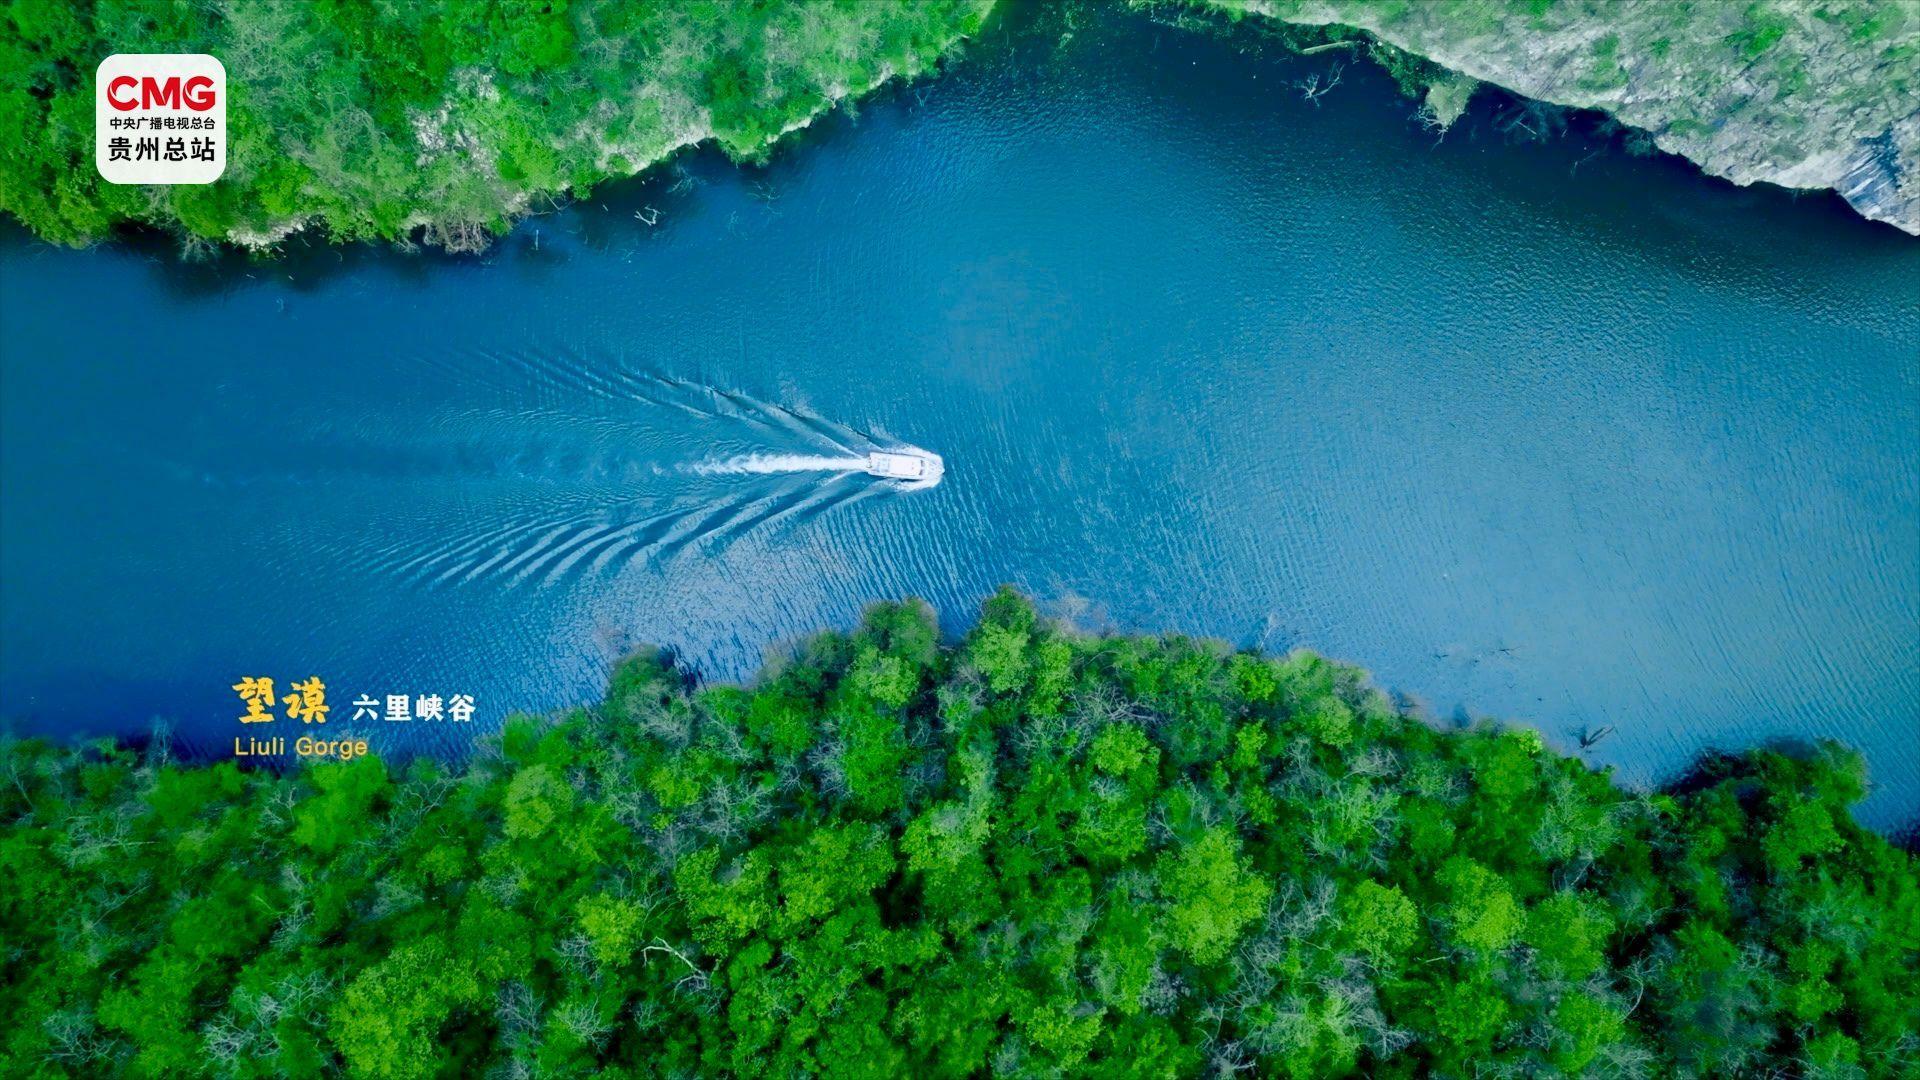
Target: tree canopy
x,y
435,118
1029,852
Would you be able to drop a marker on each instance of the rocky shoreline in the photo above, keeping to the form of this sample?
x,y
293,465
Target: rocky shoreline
x,y
1804,96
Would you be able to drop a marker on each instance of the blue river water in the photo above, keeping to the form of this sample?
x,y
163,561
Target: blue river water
x,y
1541,431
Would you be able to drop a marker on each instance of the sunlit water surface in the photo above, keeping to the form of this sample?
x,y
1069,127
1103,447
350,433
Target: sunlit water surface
x,y
1538,431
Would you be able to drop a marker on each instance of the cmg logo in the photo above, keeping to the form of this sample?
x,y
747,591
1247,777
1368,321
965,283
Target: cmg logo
x,y
196,93
160,118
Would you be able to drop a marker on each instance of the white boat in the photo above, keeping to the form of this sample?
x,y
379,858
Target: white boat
x,y
914,466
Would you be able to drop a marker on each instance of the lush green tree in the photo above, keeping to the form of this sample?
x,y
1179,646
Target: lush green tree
x,y
437,119
1029,852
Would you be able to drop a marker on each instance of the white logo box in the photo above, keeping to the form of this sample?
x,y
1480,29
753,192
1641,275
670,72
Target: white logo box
x,y
160,118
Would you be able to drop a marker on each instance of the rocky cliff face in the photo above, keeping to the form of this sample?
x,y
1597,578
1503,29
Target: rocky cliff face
x,y
1802,93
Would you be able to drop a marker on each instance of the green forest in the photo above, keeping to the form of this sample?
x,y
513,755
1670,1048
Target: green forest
x,y
440,120
1032,851
444,121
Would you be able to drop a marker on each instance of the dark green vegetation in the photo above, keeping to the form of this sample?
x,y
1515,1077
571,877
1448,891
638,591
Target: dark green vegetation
x,y
1031,853
435,118
444,120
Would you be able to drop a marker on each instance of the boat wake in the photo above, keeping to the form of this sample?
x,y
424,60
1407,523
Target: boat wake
x,y
768,464
583,499
910,465
547,553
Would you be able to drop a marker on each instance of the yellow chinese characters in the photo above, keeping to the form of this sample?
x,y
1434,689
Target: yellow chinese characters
x,y
257,693
307,701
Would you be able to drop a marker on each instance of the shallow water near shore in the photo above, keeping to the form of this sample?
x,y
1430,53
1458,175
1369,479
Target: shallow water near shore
x,y
1541,431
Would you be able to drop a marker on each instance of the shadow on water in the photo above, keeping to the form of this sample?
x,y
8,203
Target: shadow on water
x,y
1574,171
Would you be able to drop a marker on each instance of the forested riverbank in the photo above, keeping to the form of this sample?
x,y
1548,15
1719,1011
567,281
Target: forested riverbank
x,y
441,121
1029,852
